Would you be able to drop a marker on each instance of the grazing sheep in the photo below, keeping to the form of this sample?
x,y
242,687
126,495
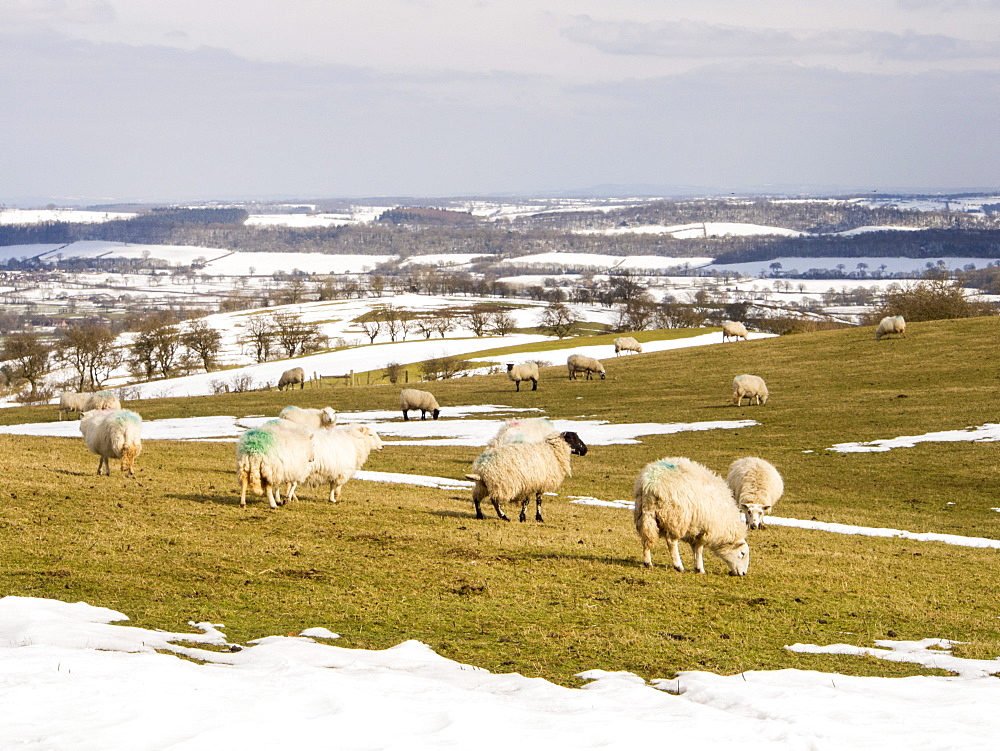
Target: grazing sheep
x,y
278,452
891,325
339,453
734,330
73,402
756,486
583,364
292,376
103,400
113,434
416,399
526,371
627,344
750,386
679,499
516,471
314,419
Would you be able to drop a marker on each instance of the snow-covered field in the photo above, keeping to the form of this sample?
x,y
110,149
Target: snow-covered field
x,y
73,679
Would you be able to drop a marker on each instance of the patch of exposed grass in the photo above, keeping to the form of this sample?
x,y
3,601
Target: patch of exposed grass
x,y
394,562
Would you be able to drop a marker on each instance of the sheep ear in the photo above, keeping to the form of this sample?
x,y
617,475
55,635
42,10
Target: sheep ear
x,y
474,478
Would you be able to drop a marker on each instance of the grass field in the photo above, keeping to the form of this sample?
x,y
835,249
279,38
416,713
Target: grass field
x,y
394,562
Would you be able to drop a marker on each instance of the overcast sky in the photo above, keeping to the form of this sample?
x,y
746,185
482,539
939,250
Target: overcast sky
x,y
185,99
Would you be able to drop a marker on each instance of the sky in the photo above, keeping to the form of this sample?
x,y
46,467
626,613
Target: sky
x,y
113,100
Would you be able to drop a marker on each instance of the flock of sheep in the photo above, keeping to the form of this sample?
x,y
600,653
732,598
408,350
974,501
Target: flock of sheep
x,y
675,498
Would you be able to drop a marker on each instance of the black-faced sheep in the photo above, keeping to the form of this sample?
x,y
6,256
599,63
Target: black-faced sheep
x,y
339,453
113,434
679,499
750,386
314,419
417,399
290,377
627,344
73,402
277,453
526,371
515,472
583,364
734,330
756,486
891,325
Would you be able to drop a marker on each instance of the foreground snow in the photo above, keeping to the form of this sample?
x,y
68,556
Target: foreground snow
x,y
70,679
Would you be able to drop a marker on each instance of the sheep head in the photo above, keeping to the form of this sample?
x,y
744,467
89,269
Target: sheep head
x,y
576,445
755,514
736,555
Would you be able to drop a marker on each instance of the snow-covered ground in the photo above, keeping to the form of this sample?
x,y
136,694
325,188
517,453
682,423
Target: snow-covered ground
x,y
74,677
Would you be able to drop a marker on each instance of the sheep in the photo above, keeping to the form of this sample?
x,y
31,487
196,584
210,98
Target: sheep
x,y
339,453
292,376
112,434
583,364
279,452
679,499
734,330
750,386
526,371
756,486
416,399
105,400
891,325
515,472
627,344
314,419
73,402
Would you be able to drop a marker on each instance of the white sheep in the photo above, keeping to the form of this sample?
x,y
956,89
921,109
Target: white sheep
x,y
290,377
891,325
750,386
526,371
70,401
103,400
734,330
277,453
679,499
417,399
523,430
339,453
314,419
517,471
756,486
113,434
627,344
583,364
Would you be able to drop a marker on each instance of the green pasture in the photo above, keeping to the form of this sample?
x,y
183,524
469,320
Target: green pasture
x,y
396,562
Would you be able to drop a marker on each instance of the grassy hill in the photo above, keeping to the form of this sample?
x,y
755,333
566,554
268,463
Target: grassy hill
x,y
393,562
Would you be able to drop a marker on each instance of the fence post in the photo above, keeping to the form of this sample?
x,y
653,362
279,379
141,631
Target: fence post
x,y
353,382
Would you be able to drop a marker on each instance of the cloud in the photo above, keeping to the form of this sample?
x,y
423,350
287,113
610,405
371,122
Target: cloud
x,y
694,39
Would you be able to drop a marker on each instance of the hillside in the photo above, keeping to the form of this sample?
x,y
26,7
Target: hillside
x,y
398,561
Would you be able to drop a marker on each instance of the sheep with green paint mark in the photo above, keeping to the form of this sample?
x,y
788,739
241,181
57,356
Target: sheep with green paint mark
x,y
278,453
113,434
679,499
750,386
523,430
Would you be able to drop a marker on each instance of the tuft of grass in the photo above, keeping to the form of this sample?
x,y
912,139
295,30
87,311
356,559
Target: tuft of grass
x,y
394,562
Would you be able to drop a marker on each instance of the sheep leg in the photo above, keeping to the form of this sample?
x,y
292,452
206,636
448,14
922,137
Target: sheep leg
x,y
517,385
538,507
524,506
698,551
500,513
270,495
675,555
534,385
243,493
406,417
423,414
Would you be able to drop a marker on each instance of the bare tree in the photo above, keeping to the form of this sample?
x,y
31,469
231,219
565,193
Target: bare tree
x,y
558,319
444,322
259,337
90,350
502,322
203,341
371,325
29,357
478,319
293,334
